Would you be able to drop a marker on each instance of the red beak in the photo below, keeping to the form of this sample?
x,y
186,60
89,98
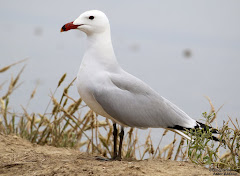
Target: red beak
x,y
69,26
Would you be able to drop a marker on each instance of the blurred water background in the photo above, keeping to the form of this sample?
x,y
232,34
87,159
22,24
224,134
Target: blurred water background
x,y
182,49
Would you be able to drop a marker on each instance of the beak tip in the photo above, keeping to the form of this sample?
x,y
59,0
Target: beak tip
x,y
63,28
68,27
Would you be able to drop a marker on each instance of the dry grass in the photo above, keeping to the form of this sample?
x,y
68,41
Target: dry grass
x,y
65,126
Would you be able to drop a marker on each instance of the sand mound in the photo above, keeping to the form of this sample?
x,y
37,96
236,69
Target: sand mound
x,y
20,157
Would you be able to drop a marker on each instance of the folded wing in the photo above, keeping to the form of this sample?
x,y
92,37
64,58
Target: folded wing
x,y
133,103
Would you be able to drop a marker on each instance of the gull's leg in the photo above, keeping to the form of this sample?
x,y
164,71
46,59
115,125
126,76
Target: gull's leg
x,y
115,155
121,134
115,134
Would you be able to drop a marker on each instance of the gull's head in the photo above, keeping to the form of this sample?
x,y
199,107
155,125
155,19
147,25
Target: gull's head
x,y
90,22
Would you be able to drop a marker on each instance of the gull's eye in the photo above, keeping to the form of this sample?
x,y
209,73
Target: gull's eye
x,y
91,17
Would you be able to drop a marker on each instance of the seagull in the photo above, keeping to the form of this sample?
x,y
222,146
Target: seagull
x,y
117,95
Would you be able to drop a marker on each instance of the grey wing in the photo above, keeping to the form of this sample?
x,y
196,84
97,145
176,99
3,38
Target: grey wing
x,y
133,103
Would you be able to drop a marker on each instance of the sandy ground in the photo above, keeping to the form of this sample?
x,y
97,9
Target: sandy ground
x,y
20,157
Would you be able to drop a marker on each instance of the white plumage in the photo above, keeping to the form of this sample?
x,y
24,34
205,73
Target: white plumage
x,y
113,93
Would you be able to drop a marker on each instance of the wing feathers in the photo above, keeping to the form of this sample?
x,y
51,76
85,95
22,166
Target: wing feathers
x,y
133,103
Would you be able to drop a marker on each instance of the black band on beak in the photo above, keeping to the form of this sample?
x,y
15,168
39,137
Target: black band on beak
x,y
63,28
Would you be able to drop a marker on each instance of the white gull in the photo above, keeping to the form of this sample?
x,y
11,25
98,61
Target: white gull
x,y
113,93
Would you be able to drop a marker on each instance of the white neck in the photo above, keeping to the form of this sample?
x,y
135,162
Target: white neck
x,y
100,51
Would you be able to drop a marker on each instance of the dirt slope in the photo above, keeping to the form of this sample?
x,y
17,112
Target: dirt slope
x,y
20,157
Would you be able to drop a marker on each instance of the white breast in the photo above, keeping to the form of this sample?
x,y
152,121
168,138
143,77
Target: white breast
x,y
85,84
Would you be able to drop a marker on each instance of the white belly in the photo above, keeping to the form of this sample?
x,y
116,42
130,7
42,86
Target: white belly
x,y
87,96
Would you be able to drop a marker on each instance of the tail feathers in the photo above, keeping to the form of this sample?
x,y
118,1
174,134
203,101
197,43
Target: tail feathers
x,y
181,134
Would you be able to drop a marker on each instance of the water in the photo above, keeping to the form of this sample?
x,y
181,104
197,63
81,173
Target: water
x,y
150,40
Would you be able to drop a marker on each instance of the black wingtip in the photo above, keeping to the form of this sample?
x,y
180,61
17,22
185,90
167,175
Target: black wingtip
x,y
199,126
205,127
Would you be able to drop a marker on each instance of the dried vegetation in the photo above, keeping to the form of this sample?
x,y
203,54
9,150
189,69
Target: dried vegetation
x,y
65,126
